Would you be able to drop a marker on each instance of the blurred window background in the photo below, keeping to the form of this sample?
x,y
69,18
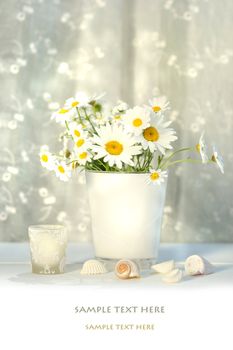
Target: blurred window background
x,y
132,49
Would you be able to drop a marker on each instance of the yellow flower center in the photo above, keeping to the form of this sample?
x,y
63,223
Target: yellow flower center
x,y
63,111
75,103
61,169
151,134
117,117
44,158
156,109
114,147
83,155
198,147
137,122
80,142
154,176
77,133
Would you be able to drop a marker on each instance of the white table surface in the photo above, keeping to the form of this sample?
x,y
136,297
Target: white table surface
x,y
15,269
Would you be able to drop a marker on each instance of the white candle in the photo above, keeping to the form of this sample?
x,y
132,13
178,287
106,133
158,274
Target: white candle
x,y
48,246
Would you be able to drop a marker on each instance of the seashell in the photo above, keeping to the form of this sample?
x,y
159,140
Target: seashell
x,y
173,276
164,267
93,267
197,265
126,269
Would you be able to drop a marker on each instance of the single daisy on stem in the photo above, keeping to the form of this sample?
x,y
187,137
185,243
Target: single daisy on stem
x,y
63,115
76,130
82,143
157,177
47,159
80,100
63,171
218,159
159,104
136,119
83,157
115,146
201,148
157,136
121,107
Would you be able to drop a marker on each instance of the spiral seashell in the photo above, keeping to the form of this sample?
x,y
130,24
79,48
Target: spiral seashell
x,y
93,267
126,269
197,265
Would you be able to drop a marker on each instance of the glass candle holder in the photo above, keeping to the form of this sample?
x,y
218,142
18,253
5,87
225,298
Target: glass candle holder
x,y
48,247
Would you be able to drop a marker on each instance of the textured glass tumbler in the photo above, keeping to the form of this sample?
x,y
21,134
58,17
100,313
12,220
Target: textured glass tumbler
x,y
48,247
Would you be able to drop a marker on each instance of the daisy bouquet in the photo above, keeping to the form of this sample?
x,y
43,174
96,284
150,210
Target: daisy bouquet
x,y
119,139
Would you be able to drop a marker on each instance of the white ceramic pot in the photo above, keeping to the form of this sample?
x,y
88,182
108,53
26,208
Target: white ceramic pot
x,y
126,214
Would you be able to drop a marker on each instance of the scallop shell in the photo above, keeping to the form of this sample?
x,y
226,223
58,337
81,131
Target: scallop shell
x,y
197,265
93,267
173,276
164,267
126,269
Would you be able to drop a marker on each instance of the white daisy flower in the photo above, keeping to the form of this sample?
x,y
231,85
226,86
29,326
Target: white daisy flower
x,y
201,148
116,118
82,143
159,104
157,176
83,157
80,100
121,107
63,171
101,118
47,159
136,119
63,115
115,146
117,112
158,136
71,103
218,159
76,130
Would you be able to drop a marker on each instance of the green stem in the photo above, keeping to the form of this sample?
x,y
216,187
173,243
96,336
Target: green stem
x,y
79,116
185,161
68,129
89,120
166,160
67,126
145,158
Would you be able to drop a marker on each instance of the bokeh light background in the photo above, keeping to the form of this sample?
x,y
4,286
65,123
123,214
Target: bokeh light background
x,y
131,49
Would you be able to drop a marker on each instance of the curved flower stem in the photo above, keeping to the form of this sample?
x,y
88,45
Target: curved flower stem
x,y
146,156
166,160
68,129
79,116
95,167
89,120
150,157
67,126
189,160
72,161
160,160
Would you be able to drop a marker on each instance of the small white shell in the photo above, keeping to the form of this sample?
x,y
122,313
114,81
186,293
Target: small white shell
x,y
164,267
197,265
93,267
126,269
173,276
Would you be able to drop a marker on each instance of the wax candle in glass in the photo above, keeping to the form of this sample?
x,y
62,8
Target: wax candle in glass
x,y
48,246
